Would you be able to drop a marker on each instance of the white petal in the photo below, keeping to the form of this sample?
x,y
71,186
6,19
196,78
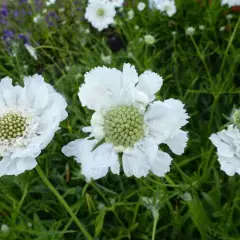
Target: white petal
x,y
165,118
137,161
24,164
161,164
149,83
223,148
98,132
97,119
3,166
130,75
101,88
95,164
230,165
177,142
8,93
36,91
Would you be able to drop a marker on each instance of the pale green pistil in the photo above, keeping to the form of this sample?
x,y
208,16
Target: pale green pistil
x,y
123,126
236,118
100,12
12,125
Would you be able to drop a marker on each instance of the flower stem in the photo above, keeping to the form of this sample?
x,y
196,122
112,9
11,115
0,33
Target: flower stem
x,y
155,221
62,201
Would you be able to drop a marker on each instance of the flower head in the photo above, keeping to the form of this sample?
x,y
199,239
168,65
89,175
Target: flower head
x,y
227,142
127,120
190,31
167,6
100,13
29,118
32,51
201,27
149,39
130,14
141,6
117,3
231,3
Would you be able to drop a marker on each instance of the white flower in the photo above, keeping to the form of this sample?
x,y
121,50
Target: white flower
x,y
5,228
229,16
106,59
29,118
44,11
130,14
32,51
231,3
228,149
117,3
61,10
100,13
222,28
201,27
141,6
174,33
190,31
136,27
167,6
37,18
149,39
127,120
50,2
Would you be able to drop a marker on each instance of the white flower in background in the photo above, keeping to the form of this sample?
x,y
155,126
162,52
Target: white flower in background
x,y
61,10
190,31
29,118
5,228
117,3
100,13
222,28
167,6
174,33
136,27
106,59
32,51
130,14
127,120
186,197
228,149
229,16
201,27
141,6
37,18
50,2
44,11
149,39
231,3
87,31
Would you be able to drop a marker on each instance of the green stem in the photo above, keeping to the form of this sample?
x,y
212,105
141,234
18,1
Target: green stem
x,y
63,202
155,221
229,45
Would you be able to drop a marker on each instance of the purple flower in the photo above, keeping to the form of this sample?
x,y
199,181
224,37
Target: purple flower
x,y
4,10
24,38
7,36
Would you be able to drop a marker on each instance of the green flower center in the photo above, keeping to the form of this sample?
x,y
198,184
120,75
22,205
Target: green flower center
x,y
100,12
123,126
12,125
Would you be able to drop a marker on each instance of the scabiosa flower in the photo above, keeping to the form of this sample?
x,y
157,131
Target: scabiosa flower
x,y
31,50
231,3
141,6
167,6
100,13
130,14
29,118
190,31
127,120
117,3
149,39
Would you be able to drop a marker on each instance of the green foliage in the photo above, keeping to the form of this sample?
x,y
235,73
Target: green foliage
x,y
202,71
